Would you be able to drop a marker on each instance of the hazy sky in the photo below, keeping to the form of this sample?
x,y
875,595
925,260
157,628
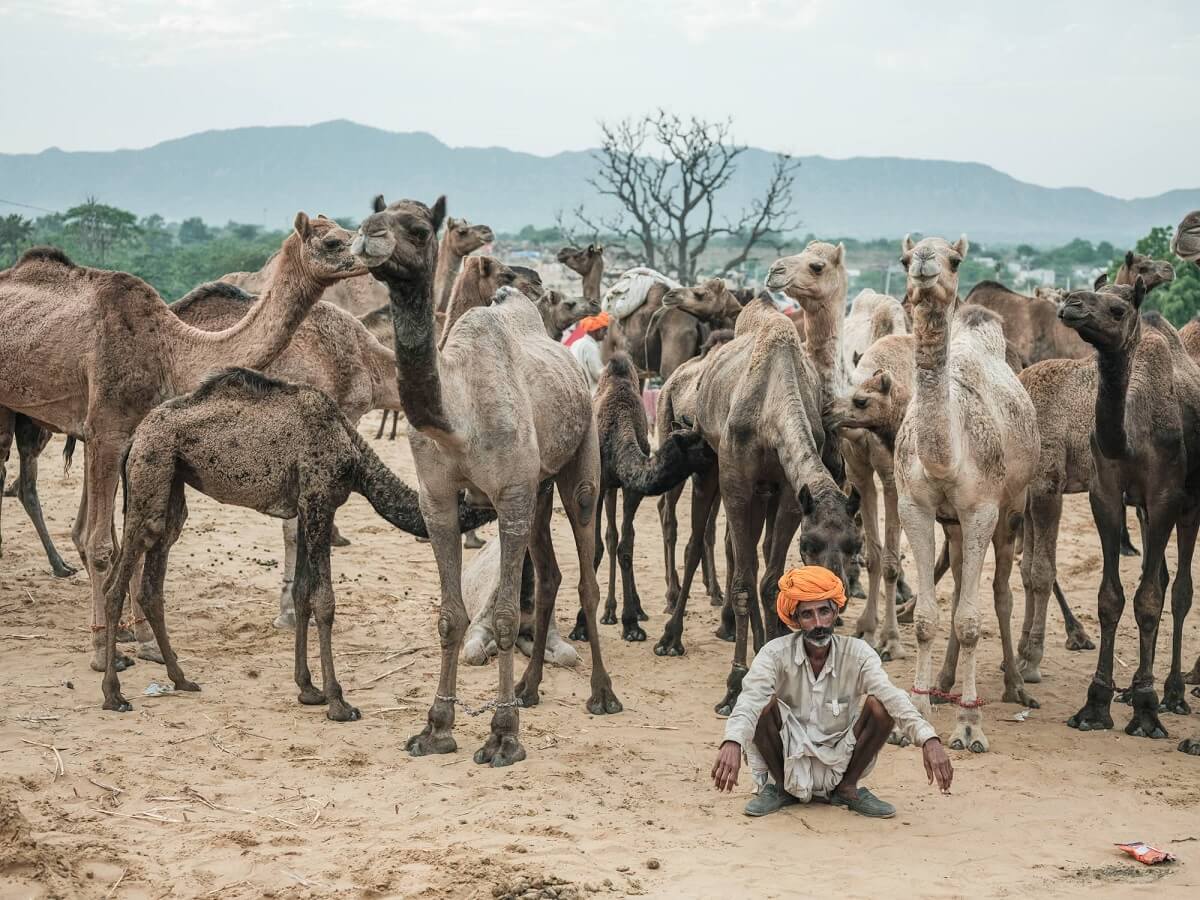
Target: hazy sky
x,y
1098,94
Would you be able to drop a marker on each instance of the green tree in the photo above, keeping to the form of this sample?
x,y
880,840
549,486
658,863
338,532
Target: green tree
x,y
1178,301
15,231
99,228
194,231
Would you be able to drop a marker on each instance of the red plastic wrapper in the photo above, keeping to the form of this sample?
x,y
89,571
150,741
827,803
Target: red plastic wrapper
x,y
1144,853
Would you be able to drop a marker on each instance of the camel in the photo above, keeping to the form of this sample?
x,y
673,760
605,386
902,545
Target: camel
x,y
1153,272
1030,324
123,352
965,452
588,262
1146,451
872,316
357,294
282,449
496,411
379,322
332,351
627,464
1189,334
459,239
1186,241
670,327
676,408
759,407
31,441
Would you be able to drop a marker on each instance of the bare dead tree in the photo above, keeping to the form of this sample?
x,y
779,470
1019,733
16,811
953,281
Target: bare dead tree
x,y
665,174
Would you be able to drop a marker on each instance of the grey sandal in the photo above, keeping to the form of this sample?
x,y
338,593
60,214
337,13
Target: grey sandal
x,y
768,800
865,804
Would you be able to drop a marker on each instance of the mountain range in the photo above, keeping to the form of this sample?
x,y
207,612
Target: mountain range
x,y
264,174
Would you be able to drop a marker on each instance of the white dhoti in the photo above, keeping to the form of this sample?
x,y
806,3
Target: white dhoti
x,y
814,757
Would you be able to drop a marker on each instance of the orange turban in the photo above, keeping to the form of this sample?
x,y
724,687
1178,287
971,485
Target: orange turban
x,y
595,323
804,585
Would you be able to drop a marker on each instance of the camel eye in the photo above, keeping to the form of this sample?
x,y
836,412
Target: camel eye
x,y
420,233
904,260
332,243
860,402
955,262
1118,312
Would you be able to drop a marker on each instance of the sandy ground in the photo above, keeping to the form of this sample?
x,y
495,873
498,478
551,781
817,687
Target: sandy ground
x,y
241,792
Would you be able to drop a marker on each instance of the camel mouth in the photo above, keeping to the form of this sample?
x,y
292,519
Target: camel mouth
x,y
776,281
372,250
1072,316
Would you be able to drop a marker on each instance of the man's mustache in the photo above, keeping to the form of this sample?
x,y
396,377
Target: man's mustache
x,y
820,636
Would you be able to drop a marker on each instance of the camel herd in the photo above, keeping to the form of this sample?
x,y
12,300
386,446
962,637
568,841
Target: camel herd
x,y
969,417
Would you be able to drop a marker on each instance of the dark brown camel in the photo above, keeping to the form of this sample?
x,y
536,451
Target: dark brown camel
x,y
1146,449
626,464
285,450
671,326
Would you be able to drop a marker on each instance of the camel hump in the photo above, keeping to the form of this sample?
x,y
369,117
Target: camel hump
x,y
208,291
45,254
246,382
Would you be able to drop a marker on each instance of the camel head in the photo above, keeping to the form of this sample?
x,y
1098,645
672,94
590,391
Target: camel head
x,y
1106,318
814,278
711,301
463,238
1053,294
1186,242
398,243
716,340
581,259
874,404
932,265
830,529
1152,271
528,282
325,246
561,311
478,281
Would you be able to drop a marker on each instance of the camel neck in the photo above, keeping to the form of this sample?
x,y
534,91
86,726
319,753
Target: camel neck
x,y
259,336
591,282
381,366
1114,368
931,402
448,264
823,342
417,360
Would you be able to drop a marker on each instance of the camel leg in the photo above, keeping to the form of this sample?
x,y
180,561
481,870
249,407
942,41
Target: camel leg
x,y
711,583
746,516
1043,512
611,538
670,531
395,424
337,539
890,645
287,602
787,521
952,550
315,534
1127,548
31,441
1004,547
8,424
382,423
1108,511
631,608
919,525
302,589
440,511
978,527
547,578
705,490
578,484
1181,602
103,472
727,630
79,526
862,477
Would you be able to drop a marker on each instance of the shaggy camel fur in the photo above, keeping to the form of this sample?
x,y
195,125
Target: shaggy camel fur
x,y
1030,324
285,450
759,407
1146,450
588,262
331,351
627,464
676,408
123,352
459,239
497,411
964,453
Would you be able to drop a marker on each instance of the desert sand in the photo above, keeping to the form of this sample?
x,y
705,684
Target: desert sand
x,y
239,791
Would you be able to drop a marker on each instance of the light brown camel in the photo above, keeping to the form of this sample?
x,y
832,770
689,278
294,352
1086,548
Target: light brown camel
x,y
357,295
459,239
1030,324
759,407
1153,272
331,351
1146,452
872,315
496,412
1185,243
588,263
123,351
965,453
285,450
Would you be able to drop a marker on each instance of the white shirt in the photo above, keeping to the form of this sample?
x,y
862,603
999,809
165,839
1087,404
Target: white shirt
x,y
586,351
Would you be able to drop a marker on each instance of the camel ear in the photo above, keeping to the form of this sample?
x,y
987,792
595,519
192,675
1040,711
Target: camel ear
x,y
839,254
378,204
907,244
961,246
852,501
1139,292
438,213
1129,259
885,383
302,225
857,357
1101,281
806,500
485,265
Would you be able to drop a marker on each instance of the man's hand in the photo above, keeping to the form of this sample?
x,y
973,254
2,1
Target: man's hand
x,y
729,760
937,764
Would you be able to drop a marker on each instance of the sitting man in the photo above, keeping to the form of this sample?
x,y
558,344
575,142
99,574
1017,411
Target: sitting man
x,y
816,709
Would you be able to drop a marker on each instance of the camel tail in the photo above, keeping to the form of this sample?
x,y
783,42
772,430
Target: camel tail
x,y
68,454
394,500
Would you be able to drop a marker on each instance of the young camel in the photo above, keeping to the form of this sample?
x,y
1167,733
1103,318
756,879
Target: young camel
x,y
588,262
965,452
759,408
1145,450
498,410
120,351
459,239
285,450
